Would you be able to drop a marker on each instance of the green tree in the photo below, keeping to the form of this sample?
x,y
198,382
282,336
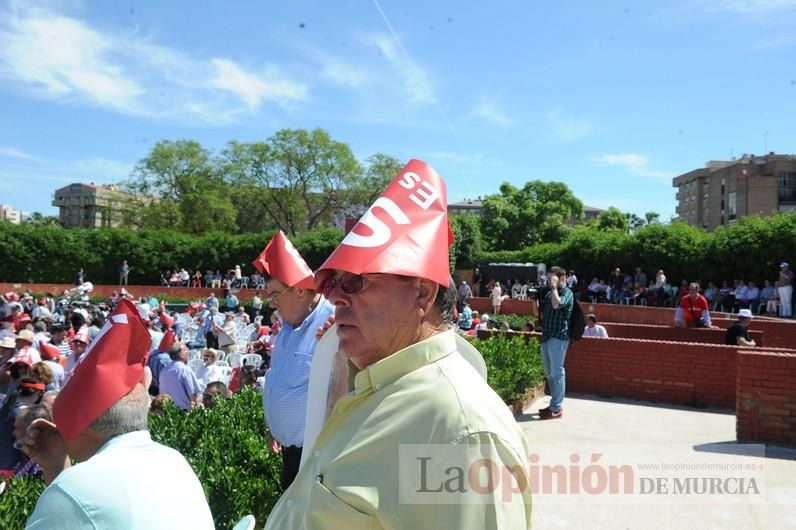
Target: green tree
x,y
305,178
467,244
535,213
180,187
652,218
613,219
37,219
380,172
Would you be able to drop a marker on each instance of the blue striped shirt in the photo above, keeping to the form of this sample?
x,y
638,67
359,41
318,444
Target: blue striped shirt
x,y
287,381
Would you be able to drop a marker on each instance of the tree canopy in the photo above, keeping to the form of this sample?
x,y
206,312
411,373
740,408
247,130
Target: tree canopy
x,y
295,180
536,213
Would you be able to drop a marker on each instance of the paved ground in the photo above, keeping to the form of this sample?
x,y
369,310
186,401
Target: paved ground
x,y
639,433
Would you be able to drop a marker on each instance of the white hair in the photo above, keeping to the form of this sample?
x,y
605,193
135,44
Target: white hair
x,y
129,414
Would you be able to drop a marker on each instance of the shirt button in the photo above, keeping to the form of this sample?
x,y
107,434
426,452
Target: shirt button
x,y
289,503
317,454
378,386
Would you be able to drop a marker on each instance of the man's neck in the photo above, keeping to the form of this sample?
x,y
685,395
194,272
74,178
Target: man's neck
x,y
309,309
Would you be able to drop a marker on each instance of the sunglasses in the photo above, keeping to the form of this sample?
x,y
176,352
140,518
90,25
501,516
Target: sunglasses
x,y
348,283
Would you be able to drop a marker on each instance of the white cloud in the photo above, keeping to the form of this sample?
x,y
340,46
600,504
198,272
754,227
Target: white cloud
x,y
343,73
490,112
60,57
566,127
10,152
253,89
64,59
633,163
416,81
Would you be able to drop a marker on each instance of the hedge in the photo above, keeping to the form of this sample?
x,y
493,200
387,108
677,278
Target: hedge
x,y
52,254
514,364
750,249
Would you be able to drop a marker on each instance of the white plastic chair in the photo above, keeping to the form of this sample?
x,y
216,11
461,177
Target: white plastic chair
x,y
247,523
194,364
234,360
227,373
252,359
195,354
225,364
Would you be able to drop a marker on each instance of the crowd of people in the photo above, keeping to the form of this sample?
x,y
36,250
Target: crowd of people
x,y
233,278
774,297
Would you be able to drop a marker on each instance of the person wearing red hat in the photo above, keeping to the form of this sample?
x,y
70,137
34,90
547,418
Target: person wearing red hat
x,y
415,397
100,420
78,345
291,290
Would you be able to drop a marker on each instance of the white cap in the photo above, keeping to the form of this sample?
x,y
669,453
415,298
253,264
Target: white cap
x,y
745,313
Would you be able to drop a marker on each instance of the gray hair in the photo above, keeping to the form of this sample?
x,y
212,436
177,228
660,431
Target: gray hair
x,y
446,301
129,414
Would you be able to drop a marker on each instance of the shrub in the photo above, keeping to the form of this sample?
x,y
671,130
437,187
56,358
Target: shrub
x,y
515,322
227,447
514,364
18,501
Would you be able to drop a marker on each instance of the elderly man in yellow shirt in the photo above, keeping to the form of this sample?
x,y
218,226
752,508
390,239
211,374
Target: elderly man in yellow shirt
x,y
420,440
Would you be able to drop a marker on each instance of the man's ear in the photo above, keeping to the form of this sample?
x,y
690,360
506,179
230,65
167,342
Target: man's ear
x,y
427,294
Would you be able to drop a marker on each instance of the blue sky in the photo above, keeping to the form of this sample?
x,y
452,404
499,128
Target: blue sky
x,y
612,98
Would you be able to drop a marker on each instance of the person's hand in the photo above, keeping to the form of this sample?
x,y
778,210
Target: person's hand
x,y
45,446
273,445
321,331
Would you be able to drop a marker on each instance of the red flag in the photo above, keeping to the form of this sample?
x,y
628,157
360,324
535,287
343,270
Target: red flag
x,y
281,260
404,232
111,366
48,351
166,341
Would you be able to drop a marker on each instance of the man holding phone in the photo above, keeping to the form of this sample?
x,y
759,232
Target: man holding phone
x,y
555,310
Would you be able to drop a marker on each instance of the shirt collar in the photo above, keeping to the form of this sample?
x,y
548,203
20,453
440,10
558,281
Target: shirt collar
x,y
390,369
128,439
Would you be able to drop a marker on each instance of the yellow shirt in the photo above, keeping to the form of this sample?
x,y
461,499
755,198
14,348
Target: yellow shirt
x,y
408,449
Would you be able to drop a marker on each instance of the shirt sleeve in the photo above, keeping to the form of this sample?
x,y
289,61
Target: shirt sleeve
x,y
190,383
56,509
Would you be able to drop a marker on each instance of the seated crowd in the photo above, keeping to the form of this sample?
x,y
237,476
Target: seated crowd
x,y
42,341
234,278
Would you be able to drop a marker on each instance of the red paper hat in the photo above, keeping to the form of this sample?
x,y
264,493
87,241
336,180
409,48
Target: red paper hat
x,y
11,296
48,351
82,335
404,232
166,319
111,367
281,260
167,341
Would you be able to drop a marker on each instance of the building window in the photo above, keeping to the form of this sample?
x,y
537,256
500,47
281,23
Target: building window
x,y
787,186
732,203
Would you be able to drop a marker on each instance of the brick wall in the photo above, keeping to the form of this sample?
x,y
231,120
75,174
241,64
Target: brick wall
x,y
668,372
670,333
135,290
766,398
660,371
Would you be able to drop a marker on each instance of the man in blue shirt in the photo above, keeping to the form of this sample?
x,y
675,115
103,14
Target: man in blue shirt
x,y
291,290
179,381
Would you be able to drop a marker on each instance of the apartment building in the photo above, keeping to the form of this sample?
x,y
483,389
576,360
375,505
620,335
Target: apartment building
x,y
90,205
724,191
